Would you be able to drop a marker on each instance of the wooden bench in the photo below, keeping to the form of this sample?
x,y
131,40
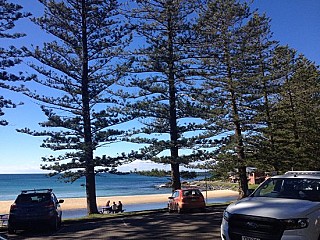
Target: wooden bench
x,y
4,219
105,209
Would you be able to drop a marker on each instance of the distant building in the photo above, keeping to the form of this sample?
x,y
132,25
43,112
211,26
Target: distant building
x,y
254,176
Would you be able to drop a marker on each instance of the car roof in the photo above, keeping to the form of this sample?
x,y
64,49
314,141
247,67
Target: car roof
x,y
300,174
37,190
188,189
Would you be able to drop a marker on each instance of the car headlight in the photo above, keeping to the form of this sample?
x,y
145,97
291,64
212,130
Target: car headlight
x,y
297,223
226,215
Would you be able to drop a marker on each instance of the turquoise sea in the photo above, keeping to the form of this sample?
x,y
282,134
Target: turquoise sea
x,y
106,185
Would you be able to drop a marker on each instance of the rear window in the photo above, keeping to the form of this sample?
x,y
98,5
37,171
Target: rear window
x,y
33,198
192,192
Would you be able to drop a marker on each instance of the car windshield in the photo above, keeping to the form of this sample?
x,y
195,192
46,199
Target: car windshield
x,y
33,198
295,188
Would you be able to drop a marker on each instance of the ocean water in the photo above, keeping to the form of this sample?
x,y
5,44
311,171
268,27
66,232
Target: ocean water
x,y
106,185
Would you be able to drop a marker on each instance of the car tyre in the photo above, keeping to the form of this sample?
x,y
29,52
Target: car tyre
x,y
11,230
54,225
60,222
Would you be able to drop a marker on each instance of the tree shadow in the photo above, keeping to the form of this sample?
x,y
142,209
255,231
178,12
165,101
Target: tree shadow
x,y
156,225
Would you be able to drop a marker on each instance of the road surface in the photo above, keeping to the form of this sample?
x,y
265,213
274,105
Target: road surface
x,y
155,225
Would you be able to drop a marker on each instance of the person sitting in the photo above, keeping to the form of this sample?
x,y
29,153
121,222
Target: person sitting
x,y
114,207
108,207
119,207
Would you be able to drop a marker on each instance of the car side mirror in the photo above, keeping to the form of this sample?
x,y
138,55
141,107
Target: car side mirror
x,y
60,201
170,197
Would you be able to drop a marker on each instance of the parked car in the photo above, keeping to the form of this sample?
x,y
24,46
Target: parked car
x,y
34,207
186,199
281,208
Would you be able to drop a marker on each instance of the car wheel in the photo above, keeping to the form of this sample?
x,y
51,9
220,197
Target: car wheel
x,y
54,224
170,209
59,222
11,230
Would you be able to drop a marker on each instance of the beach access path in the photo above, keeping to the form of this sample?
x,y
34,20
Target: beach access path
x,y
157,224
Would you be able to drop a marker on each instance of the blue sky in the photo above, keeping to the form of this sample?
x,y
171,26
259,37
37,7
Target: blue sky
x,y
294,22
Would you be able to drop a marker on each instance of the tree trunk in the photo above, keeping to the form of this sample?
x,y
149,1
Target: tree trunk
x,y
91,191
175,176
241,165
88,147
175,173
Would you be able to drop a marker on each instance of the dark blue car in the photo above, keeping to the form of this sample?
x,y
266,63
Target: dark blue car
x,y
33,208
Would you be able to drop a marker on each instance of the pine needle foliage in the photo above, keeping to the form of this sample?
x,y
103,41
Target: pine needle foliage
x,y
235,48
160,83
296,112
76,75
9,14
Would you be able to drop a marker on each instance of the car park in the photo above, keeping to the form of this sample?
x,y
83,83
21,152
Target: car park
x,y
186,199
33,208
285,207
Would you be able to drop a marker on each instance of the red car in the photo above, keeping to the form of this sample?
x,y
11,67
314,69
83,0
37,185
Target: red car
x,y
186,199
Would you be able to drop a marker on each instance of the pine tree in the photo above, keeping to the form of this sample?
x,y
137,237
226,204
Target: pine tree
x,y
77,73
161,84
306,78
260,146
9,57
296,111
232,53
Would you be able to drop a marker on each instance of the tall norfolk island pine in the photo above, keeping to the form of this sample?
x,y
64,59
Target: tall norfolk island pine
x,y
259,94
233,44
161,81
76,72
296,113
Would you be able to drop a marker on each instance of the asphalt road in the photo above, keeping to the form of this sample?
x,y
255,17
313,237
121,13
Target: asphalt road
x,y
155,225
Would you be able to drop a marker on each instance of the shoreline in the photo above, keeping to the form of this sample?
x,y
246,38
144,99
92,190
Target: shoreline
x,y
80,203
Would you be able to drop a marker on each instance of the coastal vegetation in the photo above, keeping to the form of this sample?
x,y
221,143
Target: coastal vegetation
x,y
205,87
163,173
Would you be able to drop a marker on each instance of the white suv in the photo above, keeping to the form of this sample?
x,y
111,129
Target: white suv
x,y
285,207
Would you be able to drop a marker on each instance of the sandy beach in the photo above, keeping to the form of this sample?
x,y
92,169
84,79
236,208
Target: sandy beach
x,y
80,203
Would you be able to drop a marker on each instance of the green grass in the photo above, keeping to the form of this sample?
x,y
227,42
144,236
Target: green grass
x,y
97,217
227,185
109,216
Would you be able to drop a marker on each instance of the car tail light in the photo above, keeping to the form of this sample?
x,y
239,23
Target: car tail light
x,y
13,207
49,205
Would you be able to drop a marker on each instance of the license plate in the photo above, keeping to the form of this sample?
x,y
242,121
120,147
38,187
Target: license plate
x,y
249,238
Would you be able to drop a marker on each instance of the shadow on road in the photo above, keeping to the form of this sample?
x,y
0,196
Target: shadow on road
x,y
157,225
